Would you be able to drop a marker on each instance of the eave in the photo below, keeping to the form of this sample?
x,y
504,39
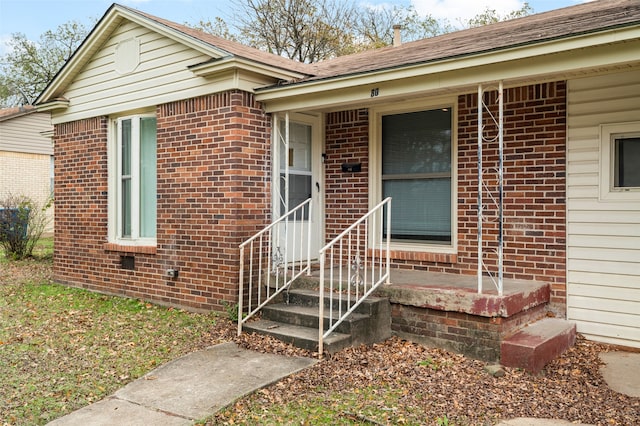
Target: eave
x,y
534,61
219,66
54,105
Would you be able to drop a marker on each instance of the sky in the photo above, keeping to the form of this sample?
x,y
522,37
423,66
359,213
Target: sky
x,y
34,17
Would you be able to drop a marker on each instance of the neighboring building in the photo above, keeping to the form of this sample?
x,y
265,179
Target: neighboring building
x,y
167,144
26,155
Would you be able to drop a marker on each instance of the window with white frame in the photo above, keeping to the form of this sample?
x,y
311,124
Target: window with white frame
x,y
626,161
620,162
416,164
133,180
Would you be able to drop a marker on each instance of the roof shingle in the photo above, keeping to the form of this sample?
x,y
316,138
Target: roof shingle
x,y
560,23
556,24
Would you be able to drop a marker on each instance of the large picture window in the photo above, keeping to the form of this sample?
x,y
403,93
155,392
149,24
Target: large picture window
x,y
416,172
135,179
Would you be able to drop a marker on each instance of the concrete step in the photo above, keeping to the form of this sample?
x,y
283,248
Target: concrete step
x,y
307,316
537,344
310,297
299,336
295,320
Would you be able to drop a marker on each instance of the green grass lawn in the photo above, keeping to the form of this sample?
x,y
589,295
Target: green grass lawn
x,y
62,348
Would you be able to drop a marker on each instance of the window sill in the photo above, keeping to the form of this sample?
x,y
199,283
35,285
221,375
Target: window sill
x,y
129,249
620,195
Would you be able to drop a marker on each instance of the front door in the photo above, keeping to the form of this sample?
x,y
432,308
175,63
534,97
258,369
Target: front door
x,y
298,171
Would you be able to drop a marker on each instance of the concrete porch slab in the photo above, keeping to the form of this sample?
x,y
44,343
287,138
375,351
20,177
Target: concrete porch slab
x,y
445,310
459,293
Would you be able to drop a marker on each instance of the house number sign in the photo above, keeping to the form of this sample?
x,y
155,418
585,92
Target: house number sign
x,y
375,92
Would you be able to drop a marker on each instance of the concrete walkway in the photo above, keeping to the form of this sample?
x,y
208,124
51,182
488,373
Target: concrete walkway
x,y
622,372
189,388
199,384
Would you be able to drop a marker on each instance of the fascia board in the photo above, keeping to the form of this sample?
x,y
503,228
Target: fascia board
x,y
224,64
314,91
527,71
169,32
103,29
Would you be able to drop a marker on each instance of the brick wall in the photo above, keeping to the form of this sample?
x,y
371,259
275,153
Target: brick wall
x,y
347,194
80,191
213,192
27,174
473,335
534,191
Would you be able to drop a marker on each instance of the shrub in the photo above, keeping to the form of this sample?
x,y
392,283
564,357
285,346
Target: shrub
x,y
22,222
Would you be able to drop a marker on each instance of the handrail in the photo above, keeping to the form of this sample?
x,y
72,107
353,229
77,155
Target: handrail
x,y
281,268
364,272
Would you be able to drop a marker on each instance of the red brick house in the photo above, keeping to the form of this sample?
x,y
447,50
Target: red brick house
x,y
166,147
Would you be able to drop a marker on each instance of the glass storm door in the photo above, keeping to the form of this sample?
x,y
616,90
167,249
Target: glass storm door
x,y
298,165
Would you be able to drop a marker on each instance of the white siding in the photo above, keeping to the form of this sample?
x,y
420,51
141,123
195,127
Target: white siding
x,y
22,134
603,245
162,76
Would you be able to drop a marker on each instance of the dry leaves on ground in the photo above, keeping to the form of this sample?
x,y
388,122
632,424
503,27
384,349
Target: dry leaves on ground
x,y
413,384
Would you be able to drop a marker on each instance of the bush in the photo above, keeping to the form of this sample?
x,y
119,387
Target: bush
x,y
22,222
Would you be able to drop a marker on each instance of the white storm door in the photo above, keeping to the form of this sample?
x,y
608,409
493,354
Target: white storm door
x,y
298,168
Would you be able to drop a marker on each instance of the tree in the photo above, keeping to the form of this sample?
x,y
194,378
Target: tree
x,y
314,30
374,26
490,16
304,30
29,67
218,28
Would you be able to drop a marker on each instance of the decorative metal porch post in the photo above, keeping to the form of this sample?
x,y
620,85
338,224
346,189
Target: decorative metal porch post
x,y
480,206
482,185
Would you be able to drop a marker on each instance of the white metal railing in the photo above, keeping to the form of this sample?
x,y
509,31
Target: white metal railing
x,y
354,270
272,259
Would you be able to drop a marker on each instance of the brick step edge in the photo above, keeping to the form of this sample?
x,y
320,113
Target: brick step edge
x,y
536,345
